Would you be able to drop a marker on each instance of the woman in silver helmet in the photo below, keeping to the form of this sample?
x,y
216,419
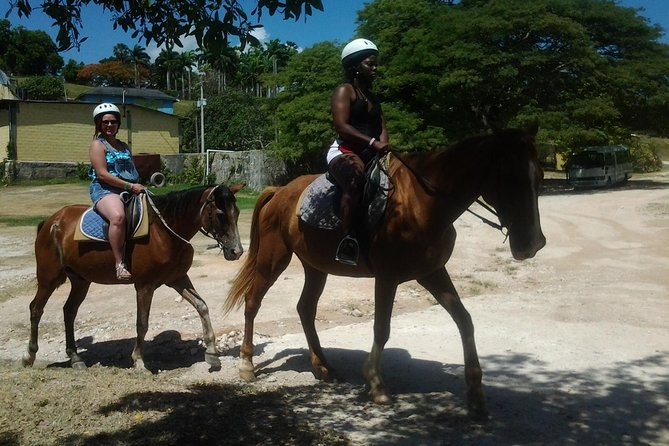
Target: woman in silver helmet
x,y
361,133
112,172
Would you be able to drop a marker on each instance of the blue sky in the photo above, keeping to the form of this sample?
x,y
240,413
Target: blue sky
x,y
336,23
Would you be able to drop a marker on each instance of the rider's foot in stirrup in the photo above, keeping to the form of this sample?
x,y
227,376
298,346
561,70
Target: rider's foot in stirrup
x,y
348,251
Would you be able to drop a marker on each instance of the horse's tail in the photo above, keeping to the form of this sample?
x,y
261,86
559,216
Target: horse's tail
x,y
243,281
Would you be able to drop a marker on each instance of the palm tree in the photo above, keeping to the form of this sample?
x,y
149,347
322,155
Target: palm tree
x,y
121,53
225,65
168,63
187,61
254,64
139,58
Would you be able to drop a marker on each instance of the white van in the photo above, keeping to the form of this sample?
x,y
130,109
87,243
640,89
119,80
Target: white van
x,y
599,166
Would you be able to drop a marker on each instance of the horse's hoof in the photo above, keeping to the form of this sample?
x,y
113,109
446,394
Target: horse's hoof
x,y
476,406
381,398
477,411
247,376
212,360
27,360
79,365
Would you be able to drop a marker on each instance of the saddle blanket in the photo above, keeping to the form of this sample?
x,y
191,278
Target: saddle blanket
x,y
319,202
93,226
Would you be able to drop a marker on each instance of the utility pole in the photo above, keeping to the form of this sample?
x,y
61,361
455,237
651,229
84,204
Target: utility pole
x,y
201,103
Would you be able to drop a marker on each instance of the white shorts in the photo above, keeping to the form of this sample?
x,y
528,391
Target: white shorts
x,y
333,152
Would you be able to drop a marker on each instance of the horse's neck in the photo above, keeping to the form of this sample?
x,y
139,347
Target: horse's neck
x,y
183,218
447,180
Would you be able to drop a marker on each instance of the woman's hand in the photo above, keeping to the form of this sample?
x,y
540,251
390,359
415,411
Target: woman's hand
x,y
136,188
380,146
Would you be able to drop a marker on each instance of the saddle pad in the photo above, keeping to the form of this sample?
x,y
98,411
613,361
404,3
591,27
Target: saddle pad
x,y
93,226
316,207
318,203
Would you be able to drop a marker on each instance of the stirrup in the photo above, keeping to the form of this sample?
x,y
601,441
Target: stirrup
x,y
122,272
347,251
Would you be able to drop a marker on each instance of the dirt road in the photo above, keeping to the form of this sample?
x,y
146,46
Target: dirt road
x,y
574,343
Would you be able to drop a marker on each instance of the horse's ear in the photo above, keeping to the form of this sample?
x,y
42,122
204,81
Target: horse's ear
x,y
237,187
532,129
488,123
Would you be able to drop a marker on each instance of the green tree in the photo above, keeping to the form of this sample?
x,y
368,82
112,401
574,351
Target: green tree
x,y
30,53
233,120
167,22
580,66
122,53
140,62
167,64
220,68
43,87
71,70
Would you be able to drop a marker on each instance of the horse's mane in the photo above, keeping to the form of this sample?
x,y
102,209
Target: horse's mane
x,y
429,157
177,203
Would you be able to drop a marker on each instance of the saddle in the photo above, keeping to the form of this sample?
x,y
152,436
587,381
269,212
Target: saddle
x,y
318,204
94,227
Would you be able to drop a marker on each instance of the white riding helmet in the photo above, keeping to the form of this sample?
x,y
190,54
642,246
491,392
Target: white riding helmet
x,y
105,108
356,51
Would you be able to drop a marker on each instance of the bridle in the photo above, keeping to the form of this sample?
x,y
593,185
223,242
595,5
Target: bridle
x,y
432,190
208,202
211,232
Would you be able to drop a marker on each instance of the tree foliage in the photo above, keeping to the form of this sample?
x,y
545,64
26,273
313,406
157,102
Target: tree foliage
x,y
27,53
233,120
211,22
43,87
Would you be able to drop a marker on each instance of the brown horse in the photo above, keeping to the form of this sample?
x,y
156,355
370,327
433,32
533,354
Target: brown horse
x,y
162,257
414,241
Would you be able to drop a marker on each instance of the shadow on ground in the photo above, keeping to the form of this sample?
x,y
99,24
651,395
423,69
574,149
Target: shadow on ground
x,y
528,402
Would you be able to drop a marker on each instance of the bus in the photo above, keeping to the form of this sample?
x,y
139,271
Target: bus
x,y
599,166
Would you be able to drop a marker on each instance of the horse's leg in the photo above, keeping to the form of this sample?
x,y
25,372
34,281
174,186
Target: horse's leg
x,y
185,288
42,296
314,282
270,264
440,285
384,296
76,297
144,298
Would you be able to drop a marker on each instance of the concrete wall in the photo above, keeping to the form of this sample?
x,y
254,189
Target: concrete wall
x,y
252,168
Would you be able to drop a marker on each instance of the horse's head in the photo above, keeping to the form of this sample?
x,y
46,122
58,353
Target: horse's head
x,y
219,219
512,188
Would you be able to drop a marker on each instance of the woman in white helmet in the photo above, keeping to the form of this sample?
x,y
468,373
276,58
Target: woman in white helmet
x,y
112,172
361,133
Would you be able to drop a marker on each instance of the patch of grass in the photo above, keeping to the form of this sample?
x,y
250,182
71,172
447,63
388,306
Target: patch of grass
x,y
245,200
48,182
22,221
120,406
74,90
182,108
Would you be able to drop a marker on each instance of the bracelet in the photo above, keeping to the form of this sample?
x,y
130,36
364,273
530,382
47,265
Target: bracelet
x,y
126,186
371,142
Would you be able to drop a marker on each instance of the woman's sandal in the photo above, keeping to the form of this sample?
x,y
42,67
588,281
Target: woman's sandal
x,y
122,273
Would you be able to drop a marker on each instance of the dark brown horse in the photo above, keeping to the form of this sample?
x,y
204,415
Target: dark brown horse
x,y
163,257
414,241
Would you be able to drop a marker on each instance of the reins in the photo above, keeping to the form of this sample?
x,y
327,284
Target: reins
x,y
431,189
155,209
206,233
